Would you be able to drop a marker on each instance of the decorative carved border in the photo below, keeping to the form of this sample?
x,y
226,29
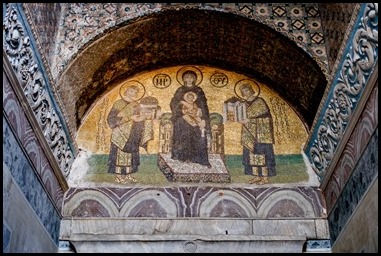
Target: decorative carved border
x,y
354,150
18,46
358,63
14,82
336,66
46,66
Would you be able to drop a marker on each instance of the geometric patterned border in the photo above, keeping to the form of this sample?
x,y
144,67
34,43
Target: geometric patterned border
x,y
83,22
357,65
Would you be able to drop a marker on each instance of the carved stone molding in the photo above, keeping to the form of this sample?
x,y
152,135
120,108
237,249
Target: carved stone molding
x,y
31,76
358,64
194,235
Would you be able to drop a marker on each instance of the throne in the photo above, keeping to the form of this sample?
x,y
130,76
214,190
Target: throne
x,y
177,171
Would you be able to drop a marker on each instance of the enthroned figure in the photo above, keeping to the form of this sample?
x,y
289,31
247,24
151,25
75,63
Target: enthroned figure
x,y
188,144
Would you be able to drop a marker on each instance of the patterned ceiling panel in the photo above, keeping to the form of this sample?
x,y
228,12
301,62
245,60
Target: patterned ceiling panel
x,y
82,23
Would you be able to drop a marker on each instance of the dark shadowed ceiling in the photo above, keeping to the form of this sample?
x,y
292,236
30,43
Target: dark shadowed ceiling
x,y
192,36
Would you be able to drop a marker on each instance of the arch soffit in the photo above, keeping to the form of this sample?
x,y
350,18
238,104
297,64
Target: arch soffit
x,y
210,38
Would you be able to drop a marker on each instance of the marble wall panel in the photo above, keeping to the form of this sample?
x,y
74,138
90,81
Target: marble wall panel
x,y
364,224
23,230
205,202
31,191
202,235
353,150
364,174
26,136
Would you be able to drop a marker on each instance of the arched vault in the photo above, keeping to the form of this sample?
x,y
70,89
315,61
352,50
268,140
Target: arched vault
x,y
185,37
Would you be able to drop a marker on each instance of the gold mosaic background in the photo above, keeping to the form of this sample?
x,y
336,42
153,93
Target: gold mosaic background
x,y
290,132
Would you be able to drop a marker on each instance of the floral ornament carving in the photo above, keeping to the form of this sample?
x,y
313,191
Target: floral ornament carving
x,y
356,68
13,37
28,71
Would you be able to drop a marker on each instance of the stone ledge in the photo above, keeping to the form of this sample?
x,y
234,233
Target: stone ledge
x,y
206,238
187,235
110,229
197,244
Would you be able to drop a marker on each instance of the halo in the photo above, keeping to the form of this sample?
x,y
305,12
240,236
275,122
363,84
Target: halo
x,y
140,86
254,85
194,95
179,75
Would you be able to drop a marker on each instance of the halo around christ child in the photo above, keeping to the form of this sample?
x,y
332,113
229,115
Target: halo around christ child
x,y
133,83
198,72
